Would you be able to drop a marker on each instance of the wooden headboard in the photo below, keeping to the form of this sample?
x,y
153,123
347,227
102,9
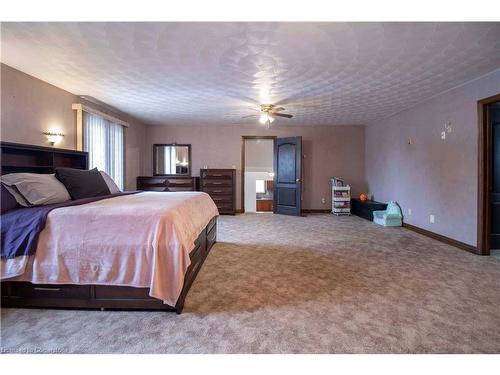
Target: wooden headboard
x,y
16,157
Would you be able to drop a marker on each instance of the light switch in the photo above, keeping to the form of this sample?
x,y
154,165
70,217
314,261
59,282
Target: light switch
x,y
443,135
409,211
432,219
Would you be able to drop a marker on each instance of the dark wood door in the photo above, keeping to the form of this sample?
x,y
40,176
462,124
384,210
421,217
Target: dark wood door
x,y
288,176
494,120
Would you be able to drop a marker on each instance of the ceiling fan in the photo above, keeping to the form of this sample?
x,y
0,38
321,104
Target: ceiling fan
x,y
267,114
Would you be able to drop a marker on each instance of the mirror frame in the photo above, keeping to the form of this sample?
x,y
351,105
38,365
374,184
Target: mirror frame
x,y
188,174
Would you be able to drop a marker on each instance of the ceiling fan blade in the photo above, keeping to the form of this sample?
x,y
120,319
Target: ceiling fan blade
x,y
248,116
254,109
278,109
282,115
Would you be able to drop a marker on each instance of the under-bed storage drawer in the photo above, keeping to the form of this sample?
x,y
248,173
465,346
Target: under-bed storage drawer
x,y
211,236
197,253
29,290
211,224
121,292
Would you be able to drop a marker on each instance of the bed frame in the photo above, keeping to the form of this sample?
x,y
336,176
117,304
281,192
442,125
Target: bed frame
x,y
36,159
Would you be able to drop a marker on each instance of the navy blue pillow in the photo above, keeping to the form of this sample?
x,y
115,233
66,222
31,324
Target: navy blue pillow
x,y
8,200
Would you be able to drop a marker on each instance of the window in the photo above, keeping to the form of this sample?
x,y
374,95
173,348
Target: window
x,y
260,186
104,141
169,161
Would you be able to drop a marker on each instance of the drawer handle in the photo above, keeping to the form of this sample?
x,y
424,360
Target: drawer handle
x,y
50,289
217,175
217,183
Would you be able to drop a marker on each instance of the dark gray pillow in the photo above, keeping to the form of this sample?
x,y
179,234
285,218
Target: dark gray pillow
x,y
8,200
82,183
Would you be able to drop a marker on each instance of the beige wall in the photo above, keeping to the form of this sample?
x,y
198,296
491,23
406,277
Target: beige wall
x,y
432,176
329,151
30,106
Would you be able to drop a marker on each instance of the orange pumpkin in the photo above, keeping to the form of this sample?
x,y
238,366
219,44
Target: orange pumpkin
x,y
363,197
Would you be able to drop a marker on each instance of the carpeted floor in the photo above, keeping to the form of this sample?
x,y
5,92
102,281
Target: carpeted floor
x,y
317,284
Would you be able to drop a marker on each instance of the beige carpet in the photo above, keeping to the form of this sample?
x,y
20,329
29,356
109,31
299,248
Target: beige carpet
x,y
319,284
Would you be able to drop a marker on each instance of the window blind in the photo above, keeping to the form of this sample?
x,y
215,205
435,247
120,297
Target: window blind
x,y
104,141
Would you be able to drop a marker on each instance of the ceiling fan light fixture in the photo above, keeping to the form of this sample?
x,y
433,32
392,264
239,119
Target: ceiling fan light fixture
x,y
264,118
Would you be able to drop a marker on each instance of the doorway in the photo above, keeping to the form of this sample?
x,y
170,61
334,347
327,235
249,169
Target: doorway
x,y
489,176
271,174
257,174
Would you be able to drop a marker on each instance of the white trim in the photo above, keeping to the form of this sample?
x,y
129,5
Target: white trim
x,y
81,107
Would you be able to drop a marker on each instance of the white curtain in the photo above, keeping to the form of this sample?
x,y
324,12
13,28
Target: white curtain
x,y
104,141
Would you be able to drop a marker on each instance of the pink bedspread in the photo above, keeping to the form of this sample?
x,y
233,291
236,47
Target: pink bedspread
x,y
140,240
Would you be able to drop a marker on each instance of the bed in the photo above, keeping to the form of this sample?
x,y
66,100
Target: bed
x,y
135,251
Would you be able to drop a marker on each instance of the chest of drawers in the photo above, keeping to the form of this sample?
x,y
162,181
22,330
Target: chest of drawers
x,y
220,184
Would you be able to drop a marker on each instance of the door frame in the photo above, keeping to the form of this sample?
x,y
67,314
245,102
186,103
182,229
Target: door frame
x,y
243,138
484,175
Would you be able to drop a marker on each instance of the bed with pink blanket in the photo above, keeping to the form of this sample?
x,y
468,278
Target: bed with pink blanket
x,y
132,251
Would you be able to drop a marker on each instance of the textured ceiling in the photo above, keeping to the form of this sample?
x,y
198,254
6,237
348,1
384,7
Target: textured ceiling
x,y
209,73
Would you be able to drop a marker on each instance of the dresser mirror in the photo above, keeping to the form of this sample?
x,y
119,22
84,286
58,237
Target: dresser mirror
x,y
171,160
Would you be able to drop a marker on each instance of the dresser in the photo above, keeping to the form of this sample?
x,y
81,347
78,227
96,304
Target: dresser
x,y
167,183
220,184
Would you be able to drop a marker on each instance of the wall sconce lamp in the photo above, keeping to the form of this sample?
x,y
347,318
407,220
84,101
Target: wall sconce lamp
x,y
53,137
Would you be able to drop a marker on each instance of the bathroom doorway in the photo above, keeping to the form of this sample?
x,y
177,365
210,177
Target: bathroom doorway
x,y
257,174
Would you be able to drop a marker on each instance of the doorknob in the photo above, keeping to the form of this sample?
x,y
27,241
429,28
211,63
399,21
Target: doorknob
x,y
297,180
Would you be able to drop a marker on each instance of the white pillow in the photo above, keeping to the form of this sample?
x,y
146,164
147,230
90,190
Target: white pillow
x,y
36,189
113,188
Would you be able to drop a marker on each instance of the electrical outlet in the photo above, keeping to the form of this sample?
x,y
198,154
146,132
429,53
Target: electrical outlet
x,y
432,219
323,200
409,211
443,135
